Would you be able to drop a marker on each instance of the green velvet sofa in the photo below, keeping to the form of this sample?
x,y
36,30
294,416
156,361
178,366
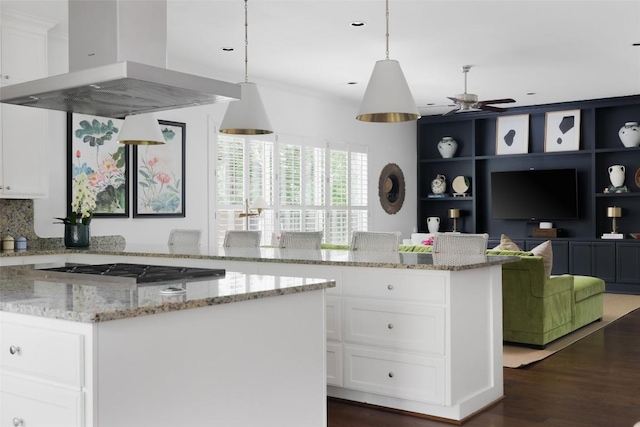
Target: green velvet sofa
x,y
537,310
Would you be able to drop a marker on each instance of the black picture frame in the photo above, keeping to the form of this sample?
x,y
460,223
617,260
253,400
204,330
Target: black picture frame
x,y
159,175
93,149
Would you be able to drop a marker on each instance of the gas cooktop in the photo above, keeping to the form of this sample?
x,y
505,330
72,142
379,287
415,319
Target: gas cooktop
x,y
135,273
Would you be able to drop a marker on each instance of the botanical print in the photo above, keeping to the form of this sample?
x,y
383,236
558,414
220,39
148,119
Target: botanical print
x,y
95,153
159,186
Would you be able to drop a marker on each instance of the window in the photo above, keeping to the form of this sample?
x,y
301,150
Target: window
x,y
317,186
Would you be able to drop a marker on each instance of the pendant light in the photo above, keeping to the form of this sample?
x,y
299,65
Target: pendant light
x,y
246,116
141,129
387,98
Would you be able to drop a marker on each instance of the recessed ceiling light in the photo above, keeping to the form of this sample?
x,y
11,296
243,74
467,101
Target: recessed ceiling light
x,y
228,49
358,24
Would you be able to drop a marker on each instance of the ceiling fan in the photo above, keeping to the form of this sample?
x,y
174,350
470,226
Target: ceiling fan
x,y
469,101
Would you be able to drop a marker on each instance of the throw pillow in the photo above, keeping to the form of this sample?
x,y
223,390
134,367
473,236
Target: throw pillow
x,y
506,244
545,251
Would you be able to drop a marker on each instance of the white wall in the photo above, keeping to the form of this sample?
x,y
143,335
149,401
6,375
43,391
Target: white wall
x,y
292,111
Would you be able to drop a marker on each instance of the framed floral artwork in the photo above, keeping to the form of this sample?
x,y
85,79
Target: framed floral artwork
x,y
158,181
94,153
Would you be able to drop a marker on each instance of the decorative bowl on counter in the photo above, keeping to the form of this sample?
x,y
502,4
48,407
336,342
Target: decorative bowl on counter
x,y
635,235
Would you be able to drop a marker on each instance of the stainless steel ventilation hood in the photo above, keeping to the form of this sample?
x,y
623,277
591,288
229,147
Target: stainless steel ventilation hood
x,y
119,89
104,79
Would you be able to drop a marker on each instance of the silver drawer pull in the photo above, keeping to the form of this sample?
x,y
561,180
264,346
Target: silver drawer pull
x,y
391,374
16,421
390,326
390,287
14,350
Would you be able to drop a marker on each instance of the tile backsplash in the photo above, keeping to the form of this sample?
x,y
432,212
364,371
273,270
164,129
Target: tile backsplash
x,y
16,219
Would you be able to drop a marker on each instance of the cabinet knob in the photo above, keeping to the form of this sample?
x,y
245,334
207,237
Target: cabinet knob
x,y
390,287
391,374
8,187
17,421
14,350
390,326
7,77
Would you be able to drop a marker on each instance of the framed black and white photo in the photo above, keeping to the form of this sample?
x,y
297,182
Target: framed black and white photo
x,y
159,171
512,134
93,150
562,131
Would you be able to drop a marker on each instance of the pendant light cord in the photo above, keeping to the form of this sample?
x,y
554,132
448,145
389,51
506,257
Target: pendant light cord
x,y
246,43
387,34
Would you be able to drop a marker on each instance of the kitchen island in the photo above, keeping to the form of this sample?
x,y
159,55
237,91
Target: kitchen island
x,y
242,350
399,327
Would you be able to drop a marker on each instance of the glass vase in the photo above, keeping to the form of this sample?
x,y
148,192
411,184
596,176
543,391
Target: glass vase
x,y
77,236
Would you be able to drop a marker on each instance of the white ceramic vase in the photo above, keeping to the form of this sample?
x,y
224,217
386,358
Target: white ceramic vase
x,y
630,134
433,224
616,175
447,147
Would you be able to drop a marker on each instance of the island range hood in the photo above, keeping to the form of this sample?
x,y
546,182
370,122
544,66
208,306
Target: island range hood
x,y
117,63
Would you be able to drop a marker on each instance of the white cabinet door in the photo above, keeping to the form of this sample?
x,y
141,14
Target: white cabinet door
x,y
24,54
396,326
23,139
390,373
33,404
44,353
24,152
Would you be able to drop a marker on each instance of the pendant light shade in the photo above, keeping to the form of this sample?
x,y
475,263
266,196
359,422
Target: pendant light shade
x,y
246,116
387,98
141,129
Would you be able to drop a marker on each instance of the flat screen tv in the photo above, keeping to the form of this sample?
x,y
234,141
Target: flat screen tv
x,y
537,194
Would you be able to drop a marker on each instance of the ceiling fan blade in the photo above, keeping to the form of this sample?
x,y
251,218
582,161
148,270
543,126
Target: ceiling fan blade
x,y
497,101
456,100
450,112
490,108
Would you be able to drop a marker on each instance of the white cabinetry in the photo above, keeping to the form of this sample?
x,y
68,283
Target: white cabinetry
x,y
24,136
43,373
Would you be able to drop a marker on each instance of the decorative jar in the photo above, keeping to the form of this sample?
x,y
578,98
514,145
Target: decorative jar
x,y
616,175
630,134
77,236
439,184
433,224
447,147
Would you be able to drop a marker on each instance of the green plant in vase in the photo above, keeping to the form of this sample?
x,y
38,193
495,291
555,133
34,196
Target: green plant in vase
x,y
76,223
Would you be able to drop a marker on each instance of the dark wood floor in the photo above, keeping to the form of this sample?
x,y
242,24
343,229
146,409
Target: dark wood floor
x,y
594,382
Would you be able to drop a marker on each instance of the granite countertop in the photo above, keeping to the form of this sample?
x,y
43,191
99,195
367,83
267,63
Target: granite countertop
x,y
406,260
24,292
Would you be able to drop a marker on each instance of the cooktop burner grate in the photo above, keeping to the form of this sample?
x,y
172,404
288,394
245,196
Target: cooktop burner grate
x,y
142,273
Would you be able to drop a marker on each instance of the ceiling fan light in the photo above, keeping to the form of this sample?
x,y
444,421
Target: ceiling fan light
x,y
141,129
246,116
387,98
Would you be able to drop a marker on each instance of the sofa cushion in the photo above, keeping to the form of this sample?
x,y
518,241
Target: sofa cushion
x,y
508,253
506,244
545,251
586,286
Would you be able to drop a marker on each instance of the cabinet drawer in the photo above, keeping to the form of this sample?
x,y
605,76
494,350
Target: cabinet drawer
x,y
333,310
405,376
401,285
39,405
44,353
398,326
334,364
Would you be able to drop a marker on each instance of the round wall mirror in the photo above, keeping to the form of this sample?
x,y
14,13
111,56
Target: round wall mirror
x,y
391,188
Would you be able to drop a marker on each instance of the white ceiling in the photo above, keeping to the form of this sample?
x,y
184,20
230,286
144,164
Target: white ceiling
x,y
558,50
